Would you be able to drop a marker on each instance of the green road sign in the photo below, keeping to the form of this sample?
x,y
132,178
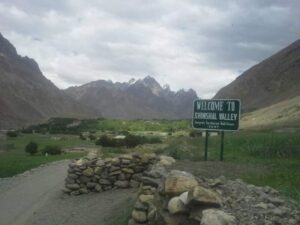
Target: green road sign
x,y
216,114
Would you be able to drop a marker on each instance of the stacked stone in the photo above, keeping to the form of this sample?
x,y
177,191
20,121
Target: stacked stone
x,y
179,199
96,175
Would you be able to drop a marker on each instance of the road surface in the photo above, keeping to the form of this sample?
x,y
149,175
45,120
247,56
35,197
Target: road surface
x,y
35,198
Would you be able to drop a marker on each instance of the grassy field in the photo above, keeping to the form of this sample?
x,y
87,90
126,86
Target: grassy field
x,y
16,161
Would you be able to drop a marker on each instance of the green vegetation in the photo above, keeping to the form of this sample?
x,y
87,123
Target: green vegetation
x,y
15,160
278,152
31,148
52,150
75,126
11,134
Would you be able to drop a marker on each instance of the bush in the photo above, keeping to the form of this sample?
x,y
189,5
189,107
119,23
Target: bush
x,y
154,140
31,148
11,133
82,137
106,141
195,133
52,150
92,137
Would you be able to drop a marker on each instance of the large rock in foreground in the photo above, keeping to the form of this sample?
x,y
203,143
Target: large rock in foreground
x,y
178,182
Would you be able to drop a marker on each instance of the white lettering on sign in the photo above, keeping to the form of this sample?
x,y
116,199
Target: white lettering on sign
x,y
228,116
207,116
210,105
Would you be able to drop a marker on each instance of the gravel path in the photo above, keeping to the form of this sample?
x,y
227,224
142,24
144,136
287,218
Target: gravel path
x,y
35,198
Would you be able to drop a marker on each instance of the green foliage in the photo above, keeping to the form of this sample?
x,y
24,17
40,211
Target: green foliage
x,y
12,134
92,137
195,133
82,137
52,150
106,141
31,148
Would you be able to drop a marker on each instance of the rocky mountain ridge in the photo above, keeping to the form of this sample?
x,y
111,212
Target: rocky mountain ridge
x,y
143,98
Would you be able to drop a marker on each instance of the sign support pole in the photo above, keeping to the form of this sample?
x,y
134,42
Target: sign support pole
x,y
206,144
222,146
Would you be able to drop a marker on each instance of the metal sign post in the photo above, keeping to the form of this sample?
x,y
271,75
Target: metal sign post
x,y
216,115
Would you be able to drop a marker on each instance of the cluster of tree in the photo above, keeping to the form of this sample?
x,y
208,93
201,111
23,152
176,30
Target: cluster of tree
x,y
130,141
32,148
11,133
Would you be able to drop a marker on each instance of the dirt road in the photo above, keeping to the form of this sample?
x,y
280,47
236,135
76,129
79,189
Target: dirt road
x,y
35,198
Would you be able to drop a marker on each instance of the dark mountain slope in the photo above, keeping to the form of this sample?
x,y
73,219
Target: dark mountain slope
x,y
273,80
26,96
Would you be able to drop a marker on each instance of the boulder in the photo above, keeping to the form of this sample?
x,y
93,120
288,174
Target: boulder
x,y
100,163
150,181
175,205
146,198
203,196
177,182
217,217
104,181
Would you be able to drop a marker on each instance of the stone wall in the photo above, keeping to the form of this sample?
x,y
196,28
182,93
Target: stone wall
x,y
97,175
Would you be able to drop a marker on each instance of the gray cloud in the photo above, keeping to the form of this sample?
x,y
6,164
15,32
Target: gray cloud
x,y
189,44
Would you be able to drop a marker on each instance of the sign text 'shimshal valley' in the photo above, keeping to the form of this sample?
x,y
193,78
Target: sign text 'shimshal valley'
x,y
216,114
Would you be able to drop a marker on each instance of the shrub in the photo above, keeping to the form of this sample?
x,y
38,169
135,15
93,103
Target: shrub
x,y
92,137
52,150
31,148
195,133
82,137
11,133
132,140
154,140
105,141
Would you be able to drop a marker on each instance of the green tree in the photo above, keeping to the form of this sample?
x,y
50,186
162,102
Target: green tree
x,y
31,148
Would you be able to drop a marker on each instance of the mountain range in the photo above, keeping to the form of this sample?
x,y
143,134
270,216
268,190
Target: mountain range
x,y
27,96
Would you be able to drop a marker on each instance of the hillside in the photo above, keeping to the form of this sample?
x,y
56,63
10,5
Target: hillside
x,y
26,96
285,114
273,80
136,99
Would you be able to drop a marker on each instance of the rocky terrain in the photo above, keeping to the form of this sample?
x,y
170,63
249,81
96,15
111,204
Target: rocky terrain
x,y
143,98
273,80
182,199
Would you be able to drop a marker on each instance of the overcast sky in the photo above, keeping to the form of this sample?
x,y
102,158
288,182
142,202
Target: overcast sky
x,y
196,44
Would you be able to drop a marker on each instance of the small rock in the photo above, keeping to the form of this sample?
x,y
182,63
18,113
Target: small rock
x,y
139,216
73,186
140,206
134,183
127,170
150,181
175,205
88,172
104,181
217,217
98,188
122,184
90,185
146,198
261,205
